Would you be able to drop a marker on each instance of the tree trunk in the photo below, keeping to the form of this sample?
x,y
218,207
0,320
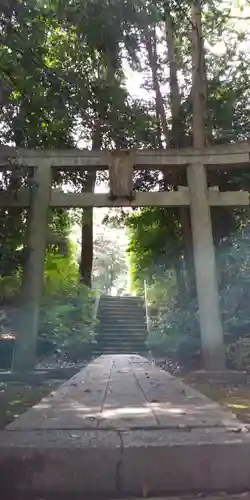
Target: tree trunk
x,y
198,78
188,251
175,99
86,260
180,281
150,43
173,140
177,136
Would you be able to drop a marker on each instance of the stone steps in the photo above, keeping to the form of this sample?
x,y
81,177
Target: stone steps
x,y
113,324
121,325
114,351
117,341
122,333
122,315
128,309
117,350
122,305
129,316
122,337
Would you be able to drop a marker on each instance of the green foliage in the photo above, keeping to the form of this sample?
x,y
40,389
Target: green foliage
x,y
238,354
162,291
12,254
179,348
155,240
66,317
9,287
175,329
233,257
60,271
174,333
67,320
66,313
109,267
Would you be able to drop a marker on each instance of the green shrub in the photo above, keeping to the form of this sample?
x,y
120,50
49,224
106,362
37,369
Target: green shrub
x,y
66,308
67,320
9,287
158,342
175,335
182,349
238,354
66,311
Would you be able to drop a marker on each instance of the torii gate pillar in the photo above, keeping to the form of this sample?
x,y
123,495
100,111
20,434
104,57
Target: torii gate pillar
x,y
32,283
205,269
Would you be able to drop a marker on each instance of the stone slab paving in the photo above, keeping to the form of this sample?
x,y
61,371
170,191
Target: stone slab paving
x,y
123,426
123,392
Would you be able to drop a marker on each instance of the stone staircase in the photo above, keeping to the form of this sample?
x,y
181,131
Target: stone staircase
x,y
121,327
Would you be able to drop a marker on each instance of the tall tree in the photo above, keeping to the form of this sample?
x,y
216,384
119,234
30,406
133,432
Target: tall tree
x,y
178,140
198,78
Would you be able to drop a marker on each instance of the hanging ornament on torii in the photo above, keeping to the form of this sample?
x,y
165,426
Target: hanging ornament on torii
x,y
121,170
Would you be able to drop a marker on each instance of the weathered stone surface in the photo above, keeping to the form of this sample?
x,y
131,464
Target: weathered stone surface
x,y
123,392
59,461
121,426
175,404
74,405
195,461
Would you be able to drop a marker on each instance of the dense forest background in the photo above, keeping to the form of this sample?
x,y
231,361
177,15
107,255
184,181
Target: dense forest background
x,y
70,74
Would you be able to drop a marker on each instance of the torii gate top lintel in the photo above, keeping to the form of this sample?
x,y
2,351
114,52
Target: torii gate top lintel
x,y
236,154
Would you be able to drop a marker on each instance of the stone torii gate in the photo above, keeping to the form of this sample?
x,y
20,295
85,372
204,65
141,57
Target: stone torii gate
x,y
197,195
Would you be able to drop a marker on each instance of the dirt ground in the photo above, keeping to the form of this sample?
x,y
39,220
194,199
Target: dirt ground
x,y
15,398
235,398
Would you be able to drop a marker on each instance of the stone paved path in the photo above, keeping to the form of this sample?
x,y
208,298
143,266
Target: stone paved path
x,y
124,392
122,427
